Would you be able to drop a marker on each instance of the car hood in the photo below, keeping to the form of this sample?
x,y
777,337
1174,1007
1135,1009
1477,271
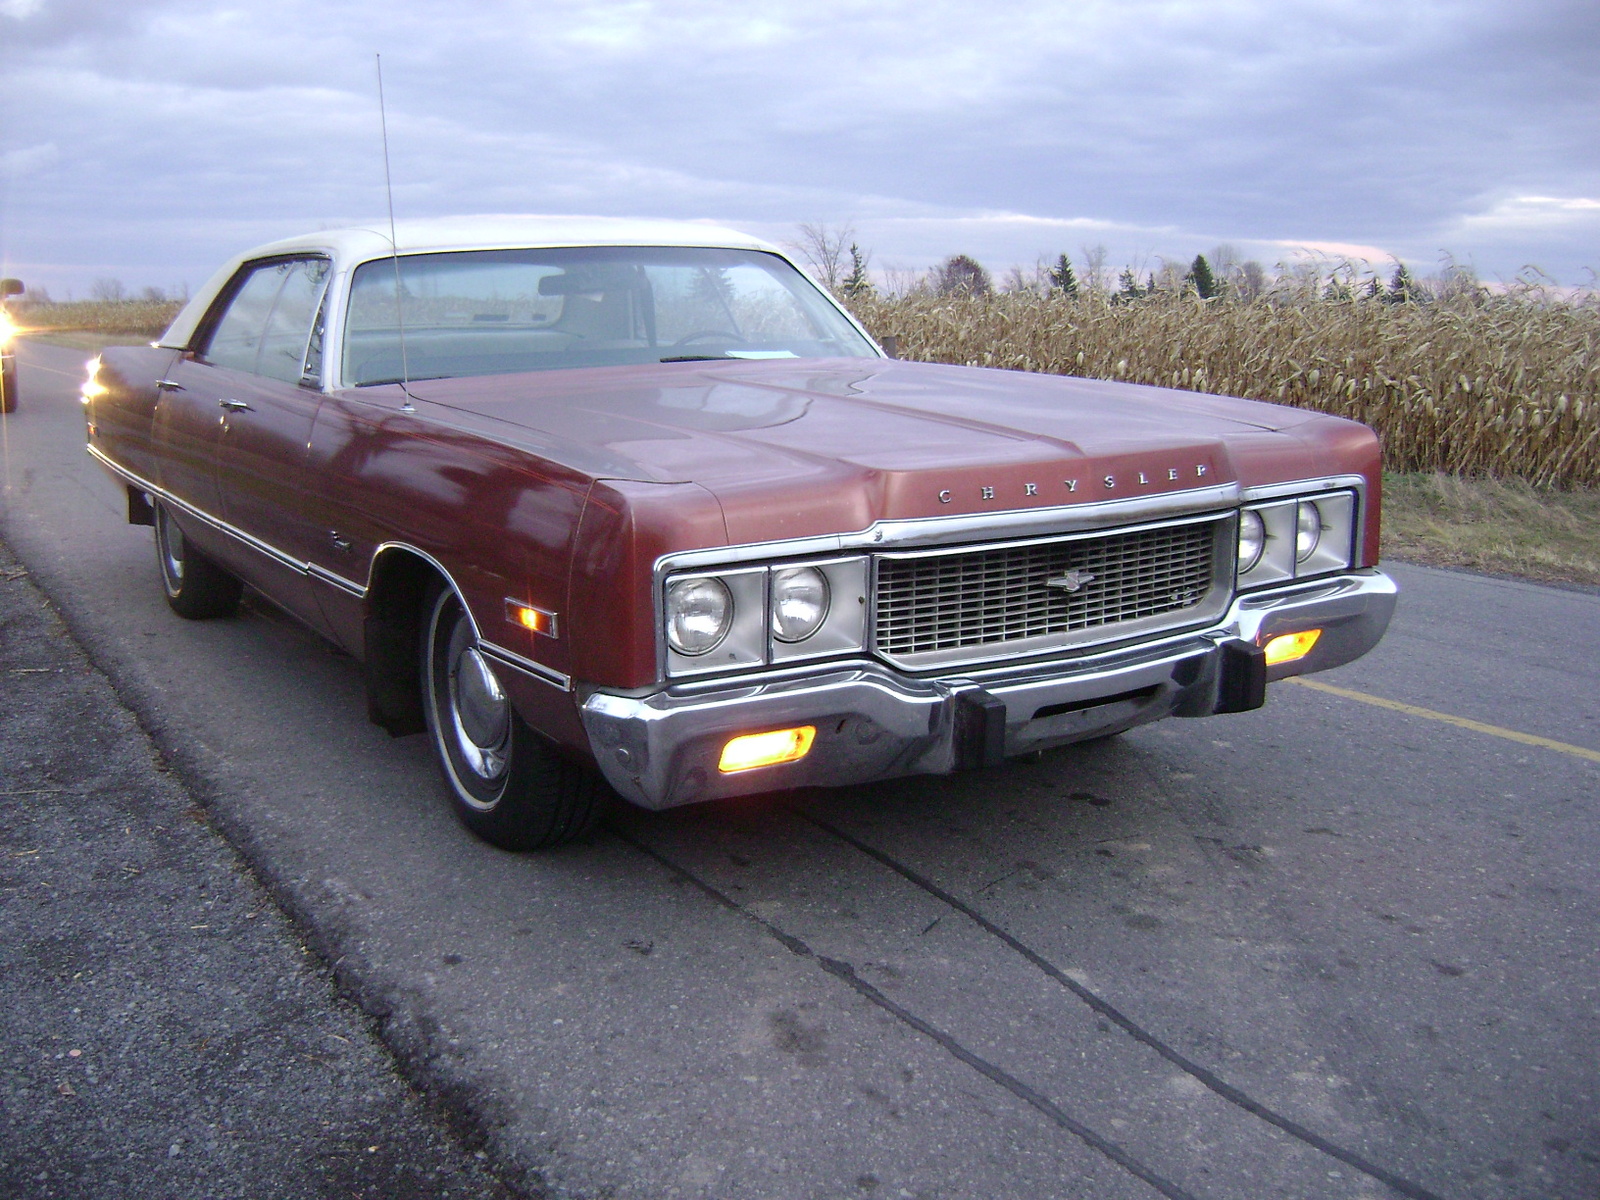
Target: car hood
x,y
790,444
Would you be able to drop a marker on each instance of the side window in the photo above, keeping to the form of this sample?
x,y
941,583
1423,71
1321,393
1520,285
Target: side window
x,y
267,327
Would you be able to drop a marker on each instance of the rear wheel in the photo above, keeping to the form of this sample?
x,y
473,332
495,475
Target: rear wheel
x,y
507,785
196,587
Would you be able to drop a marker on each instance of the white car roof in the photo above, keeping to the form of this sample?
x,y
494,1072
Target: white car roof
x,y
361,243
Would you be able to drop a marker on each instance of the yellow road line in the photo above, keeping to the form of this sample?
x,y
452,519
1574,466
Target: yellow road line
x,y
1511,735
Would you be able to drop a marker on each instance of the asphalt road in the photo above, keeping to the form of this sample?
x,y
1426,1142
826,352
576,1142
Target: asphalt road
x,y
1330,948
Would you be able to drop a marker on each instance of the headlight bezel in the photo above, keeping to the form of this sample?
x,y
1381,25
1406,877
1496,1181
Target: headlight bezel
x,y
751,640
1283,557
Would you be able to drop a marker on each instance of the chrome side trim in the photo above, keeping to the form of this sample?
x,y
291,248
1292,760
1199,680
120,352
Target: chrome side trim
x,y
509,657
331,578
526,665
215,522
336,580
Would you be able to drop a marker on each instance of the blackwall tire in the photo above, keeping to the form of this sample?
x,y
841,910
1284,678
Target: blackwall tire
x,y
8,387
195,587
506,783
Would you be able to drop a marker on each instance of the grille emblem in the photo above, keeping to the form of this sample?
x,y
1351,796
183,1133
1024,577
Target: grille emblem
x,y
1071,581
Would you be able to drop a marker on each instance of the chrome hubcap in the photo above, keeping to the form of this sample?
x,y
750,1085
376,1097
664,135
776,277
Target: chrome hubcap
x,y
480,702
479,710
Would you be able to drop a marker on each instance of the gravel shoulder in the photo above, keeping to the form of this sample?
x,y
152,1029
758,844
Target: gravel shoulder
x,y
165,1032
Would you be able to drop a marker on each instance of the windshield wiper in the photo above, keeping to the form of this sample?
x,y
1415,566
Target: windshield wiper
x,y
698,358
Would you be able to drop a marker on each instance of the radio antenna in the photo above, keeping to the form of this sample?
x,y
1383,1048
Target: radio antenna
x,y
394,245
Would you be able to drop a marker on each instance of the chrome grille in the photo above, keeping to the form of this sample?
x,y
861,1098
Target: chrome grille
x,y
938,603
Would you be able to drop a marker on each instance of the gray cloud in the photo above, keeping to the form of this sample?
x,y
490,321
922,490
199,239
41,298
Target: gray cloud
x,y
1154,126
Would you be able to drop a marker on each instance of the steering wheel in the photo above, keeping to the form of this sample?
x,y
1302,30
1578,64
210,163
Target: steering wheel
x,y
699,334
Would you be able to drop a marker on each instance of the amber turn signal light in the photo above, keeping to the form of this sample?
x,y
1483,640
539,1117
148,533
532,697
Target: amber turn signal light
x,y
752,750
1291,647
529,617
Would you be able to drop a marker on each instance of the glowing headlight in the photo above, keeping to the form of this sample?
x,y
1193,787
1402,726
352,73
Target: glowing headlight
x,y
1307,531
799,603
1252,539
699,614
7,330
92,387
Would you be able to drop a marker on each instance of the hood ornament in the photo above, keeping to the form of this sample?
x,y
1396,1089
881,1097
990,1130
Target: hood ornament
x,y
1070,581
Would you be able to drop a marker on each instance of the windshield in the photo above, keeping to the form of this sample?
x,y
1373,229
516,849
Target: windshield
x,y
489,312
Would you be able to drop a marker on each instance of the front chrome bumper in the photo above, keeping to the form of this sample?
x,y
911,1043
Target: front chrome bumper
x,y
661,750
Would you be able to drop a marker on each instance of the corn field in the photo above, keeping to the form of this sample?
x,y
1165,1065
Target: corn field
x,y
123,318
1497,385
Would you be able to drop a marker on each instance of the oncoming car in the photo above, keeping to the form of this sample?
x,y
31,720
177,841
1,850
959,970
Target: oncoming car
x,y
8,351
632,507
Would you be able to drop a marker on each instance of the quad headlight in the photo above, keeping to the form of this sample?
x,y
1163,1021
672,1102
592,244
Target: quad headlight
x,y
699,614
721,620
1307,530
799,603
1296,537
1252,539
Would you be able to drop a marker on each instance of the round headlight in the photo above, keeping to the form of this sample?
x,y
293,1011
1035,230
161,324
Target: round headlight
x,y
699,614
1252,539
799,603
1307,531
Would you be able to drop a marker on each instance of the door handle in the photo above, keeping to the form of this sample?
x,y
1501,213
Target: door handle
x,y
169,385
234,406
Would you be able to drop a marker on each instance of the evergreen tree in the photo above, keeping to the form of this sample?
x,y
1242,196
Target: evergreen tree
x,y
858,283
1128,285
1201,278
1062,277
1402,288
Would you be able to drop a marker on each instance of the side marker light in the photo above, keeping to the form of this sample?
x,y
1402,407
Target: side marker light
x,y
1291,647
529,617
752,750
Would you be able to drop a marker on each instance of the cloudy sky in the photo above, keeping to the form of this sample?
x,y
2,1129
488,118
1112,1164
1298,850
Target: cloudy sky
x,y
148,139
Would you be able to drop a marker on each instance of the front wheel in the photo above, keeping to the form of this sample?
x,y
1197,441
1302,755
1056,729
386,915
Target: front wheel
x,y
196,587
507,785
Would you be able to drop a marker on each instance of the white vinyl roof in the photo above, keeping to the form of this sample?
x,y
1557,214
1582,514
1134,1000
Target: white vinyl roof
x,y
357,244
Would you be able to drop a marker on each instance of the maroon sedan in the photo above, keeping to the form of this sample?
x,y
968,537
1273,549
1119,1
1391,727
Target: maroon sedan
x,y
637,507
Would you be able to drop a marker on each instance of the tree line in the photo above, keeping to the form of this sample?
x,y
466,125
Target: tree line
x,y
840,264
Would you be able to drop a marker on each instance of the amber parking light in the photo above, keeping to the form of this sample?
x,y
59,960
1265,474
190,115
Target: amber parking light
x,y
752,750
1291,647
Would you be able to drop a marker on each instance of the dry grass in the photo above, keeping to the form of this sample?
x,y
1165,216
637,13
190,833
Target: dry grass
x,y
1505,386
1500,527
